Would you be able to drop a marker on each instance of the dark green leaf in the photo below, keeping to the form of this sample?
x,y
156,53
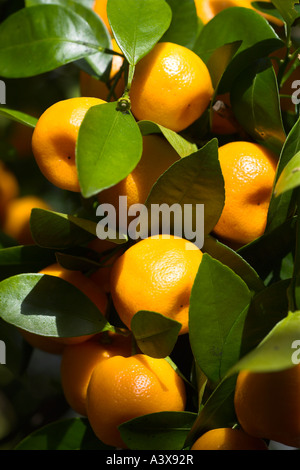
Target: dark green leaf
x,y
183,29
287,10
138,26
237,24
219,61
158,431
255,103
18,116
67,434
182,146
195,179
218,307
109,147
42,38
154,333
49,306
290,176
22,259
267,8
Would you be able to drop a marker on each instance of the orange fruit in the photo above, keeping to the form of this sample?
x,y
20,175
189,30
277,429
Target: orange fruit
x,y
165,267
90,86
95,293
17,220
43,343
249,171
228,439
54,140
100,7
123,388
158,155
267,404
207,9
171,86
78,362
9,189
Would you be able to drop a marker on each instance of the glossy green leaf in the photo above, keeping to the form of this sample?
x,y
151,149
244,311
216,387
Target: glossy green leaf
x,y
154,333
237,24
219,61
42,38
109,147
66,434
138,26
18,116
100,62
49,306
218,307
195,179
287,10
290,176
55,230
183,29
158,431
182,146
22,259
267,8
276,351
255,102
281,207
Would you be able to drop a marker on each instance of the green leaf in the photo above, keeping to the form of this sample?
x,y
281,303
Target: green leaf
x,y
237,24
182,146
255,102
219,61
218,307
183,29
290,176
287,10
57,231
138,25
267,8
234,261
195,179
18,116
155,334
158,431
280,207
21,259
100,62
66,434
109,147
276,351
42,38
49,306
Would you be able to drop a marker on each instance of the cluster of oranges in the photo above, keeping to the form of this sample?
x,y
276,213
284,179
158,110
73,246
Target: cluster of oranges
x,y
105,377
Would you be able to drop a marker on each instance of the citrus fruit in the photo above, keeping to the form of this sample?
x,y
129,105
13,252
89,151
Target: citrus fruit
x,y
17,220
171,86
43,343
207,9
267,404
54,140
158,155
9,189
78,362
166,267
228,439
100,7
123,388
249,171
90,86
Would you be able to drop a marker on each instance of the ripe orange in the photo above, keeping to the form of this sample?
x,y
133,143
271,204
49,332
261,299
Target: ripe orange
x,y
90,86
54,140
267,404
171,86
43,343
123,388
165,267
78,362
17,220
228,439
158,155
249,172
9,189
207,9
100,7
